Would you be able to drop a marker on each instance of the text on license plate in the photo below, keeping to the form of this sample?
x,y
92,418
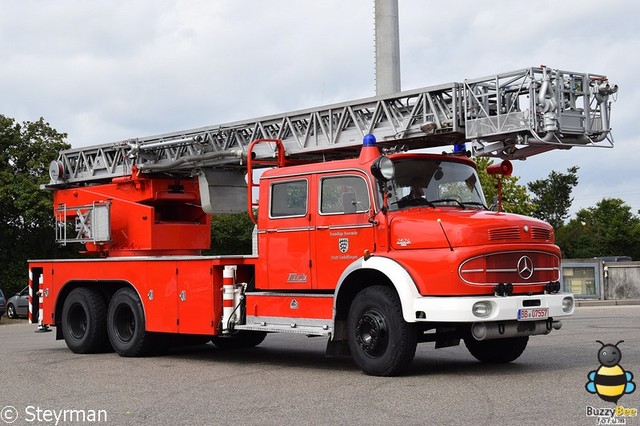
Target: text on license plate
x,y
532,314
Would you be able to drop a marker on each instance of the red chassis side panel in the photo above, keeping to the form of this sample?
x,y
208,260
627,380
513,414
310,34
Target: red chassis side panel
x,y
178,294
290,305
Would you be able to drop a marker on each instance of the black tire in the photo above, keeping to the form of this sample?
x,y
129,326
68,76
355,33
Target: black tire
x,y
239,340
380,341
84,321
11,311
126,325
496,351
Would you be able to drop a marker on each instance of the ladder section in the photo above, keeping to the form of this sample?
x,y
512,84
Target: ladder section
x,y
510,115
522,113
329,132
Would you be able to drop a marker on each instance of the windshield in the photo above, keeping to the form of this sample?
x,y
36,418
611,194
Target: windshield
x,y
433,182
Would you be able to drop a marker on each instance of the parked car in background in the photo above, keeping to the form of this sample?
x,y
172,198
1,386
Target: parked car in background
x,y
18,304
2,303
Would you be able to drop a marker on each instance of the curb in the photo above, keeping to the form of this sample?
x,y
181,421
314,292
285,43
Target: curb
x,y
620,302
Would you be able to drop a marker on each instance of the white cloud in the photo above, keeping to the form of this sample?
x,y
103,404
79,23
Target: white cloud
x,y
106,71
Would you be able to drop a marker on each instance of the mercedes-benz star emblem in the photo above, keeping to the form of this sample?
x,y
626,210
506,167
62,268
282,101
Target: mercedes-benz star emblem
x,y
525,267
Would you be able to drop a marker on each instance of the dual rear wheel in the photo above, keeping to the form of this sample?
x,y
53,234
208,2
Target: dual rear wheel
x,y
90,326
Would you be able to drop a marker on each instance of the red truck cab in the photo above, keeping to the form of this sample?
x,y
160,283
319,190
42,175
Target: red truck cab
x,y
413,229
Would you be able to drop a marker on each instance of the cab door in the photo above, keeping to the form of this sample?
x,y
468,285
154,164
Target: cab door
x,y
342,227
286,236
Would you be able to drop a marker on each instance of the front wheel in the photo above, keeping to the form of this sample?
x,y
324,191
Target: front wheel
x,y
126,324
380,341
496,351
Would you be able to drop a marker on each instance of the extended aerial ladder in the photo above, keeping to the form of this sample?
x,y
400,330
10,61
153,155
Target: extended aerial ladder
x,y
511,115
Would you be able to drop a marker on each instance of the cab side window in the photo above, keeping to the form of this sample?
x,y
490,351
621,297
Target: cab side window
x,y
289,199
343,195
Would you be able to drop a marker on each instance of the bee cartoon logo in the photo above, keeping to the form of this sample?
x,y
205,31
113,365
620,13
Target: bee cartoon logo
x,y
610,381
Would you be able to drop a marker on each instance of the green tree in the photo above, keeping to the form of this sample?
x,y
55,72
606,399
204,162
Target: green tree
x,y
231,234
608,229
515,197
26,219
552,198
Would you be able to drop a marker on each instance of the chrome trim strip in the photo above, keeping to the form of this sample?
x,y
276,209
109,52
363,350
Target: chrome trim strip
x,y
274,293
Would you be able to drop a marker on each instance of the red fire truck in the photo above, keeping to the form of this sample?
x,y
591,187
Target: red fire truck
x,y
359,235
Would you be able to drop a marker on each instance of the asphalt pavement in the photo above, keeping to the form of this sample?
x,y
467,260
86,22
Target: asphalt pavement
x,y
287,380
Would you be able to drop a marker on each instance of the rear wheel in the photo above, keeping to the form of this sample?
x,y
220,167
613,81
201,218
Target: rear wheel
x,y
239,340
497,351
84,316
380,341
126,324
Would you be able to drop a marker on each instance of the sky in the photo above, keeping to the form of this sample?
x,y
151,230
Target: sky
x,y
104,71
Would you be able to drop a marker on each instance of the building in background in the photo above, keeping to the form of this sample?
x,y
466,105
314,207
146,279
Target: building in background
x,y
603,278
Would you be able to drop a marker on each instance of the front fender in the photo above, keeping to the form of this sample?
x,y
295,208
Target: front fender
x,y
397,275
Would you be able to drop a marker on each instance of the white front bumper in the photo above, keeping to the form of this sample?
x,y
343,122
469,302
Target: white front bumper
x,y
459,309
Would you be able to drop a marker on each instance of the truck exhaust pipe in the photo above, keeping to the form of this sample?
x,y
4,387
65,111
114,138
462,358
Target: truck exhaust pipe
x,y
503,330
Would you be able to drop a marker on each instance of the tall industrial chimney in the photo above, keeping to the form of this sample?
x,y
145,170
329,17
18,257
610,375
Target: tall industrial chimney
x,y
387,37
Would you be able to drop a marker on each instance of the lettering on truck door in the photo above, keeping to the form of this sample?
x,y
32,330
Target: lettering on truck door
x,y
343,230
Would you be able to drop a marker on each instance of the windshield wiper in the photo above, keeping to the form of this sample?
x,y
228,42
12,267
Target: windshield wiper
x,y
448,200
412,202
475,203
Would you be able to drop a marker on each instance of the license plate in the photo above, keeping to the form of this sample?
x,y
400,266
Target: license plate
x,y
533,314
